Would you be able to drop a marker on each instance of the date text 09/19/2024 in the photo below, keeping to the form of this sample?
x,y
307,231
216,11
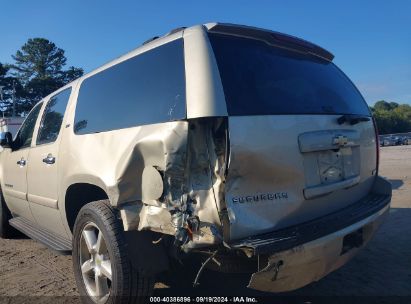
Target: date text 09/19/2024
x,y
185,299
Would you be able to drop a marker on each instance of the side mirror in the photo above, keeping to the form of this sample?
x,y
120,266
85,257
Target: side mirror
x,y
6,139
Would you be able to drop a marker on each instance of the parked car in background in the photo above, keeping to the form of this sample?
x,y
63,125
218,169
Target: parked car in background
x,y
242,145
394,140
388,141
397,140
407,140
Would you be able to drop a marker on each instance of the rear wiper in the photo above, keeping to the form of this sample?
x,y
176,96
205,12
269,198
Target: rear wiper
x,y
352,119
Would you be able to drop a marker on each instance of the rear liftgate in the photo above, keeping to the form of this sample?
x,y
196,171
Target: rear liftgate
x,y
284,192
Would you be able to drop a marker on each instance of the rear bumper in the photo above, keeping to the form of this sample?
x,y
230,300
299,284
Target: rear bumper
x,y
305,253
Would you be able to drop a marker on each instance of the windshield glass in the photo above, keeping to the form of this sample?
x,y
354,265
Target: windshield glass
x,y
259,79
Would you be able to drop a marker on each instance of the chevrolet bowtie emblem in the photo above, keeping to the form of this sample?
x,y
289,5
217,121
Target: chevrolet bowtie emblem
x,y
340,140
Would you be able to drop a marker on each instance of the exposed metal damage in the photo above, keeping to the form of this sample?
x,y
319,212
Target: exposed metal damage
x,y
183,188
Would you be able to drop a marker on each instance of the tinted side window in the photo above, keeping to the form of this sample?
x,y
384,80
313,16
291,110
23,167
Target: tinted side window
x,y
259,79
146,89
53,117
25,134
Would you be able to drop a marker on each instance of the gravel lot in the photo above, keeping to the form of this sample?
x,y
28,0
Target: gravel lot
x,y
381,269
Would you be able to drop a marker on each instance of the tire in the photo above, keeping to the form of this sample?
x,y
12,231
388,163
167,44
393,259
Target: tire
x,y
124,283
6,231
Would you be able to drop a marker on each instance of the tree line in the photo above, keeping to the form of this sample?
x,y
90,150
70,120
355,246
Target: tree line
x,y
38,70
392,117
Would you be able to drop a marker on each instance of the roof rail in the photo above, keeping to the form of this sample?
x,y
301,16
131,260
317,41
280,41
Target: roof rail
x,y
176,30
151,39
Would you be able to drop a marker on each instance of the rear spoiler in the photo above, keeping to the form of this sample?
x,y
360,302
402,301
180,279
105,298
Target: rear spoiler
x,y
271,37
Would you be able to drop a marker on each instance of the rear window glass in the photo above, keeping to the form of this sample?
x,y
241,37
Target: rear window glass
x,y
146,89
259,79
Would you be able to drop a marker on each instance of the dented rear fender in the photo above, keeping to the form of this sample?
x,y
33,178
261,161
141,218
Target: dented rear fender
x,y
179,189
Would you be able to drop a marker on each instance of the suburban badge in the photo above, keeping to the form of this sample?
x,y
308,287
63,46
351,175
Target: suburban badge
x,y
260,197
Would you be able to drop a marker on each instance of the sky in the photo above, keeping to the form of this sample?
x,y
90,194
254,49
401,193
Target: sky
x,y
371,40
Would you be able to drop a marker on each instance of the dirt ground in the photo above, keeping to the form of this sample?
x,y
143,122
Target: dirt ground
x,y
383,268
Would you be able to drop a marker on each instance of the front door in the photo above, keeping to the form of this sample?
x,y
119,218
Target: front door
x,y
15,167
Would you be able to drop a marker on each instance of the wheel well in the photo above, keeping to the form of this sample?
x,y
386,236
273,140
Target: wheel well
x,y
77,196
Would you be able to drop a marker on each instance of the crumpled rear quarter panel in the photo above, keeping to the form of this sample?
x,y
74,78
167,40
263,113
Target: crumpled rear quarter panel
x,y
147,172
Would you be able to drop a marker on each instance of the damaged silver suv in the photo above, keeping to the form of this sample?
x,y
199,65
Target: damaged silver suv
x,y
248,145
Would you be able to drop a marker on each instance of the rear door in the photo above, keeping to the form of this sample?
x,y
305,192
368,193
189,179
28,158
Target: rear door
x,y
42,169
302,142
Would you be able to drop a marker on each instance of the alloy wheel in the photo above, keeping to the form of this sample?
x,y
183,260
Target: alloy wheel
x,y
95,263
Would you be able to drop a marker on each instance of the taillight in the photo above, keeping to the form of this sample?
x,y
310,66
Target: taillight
x,y
377,142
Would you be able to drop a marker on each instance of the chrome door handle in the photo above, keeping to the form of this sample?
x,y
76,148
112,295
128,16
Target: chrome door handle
x,y
50,159
21,162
